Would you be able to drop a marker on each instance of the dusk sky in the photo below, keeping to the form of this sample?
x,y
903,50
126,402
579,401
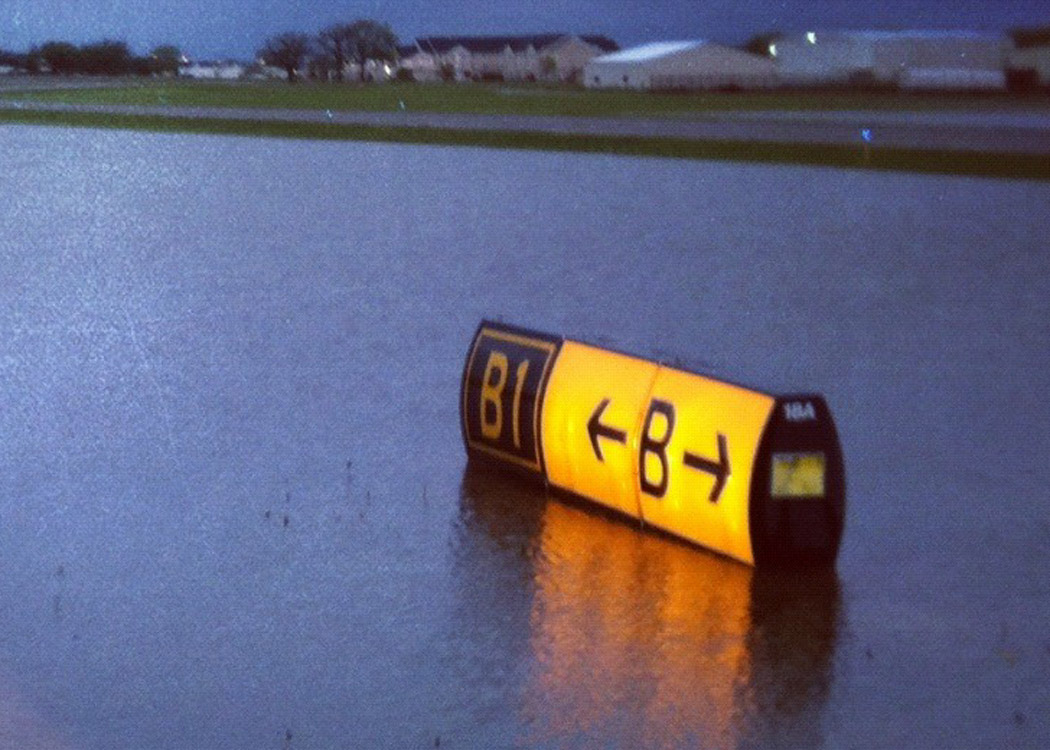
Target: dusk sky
x,y
236,28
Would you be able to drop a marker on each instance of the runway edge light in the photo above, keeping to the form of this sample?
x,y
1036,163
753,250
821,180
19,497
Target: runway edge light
x,y
747,474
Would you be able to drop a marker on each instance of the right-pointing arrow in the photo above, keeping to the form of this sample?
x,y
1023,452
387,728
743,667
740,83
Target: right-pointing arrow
x,y
720,471
596,429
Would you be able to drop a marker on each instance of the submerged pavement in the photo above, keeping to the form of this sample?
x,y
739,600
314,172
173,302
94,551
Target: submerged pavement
x,y
236,512
952,131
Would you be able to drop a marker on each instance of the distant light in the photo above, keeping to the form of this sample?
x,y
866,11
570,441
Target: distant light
x,y
773,50
811,37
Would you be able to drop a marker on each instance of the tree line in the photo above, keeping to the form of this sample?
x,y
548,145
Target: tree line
x,y
327,55
107,57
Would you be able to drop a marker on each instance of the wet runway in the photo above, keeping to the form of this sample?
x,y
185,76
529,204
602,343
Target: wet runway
x,y
951,131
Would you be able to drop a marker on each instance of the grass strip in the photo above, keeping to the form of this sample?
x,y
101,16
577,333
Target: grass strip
x,y
517,99
978,164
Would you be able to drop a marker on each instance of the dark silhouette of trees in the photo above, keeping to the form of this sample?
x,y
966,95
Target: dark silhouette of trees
x,y
358,43
62,58
334,42
341,44
12,59
107,58
165,59
370,40
1036,36
286,51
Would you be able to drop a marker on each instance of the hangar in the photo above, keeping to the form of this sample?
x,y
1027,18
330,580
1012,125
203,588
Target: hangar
x,y
680,65
908,59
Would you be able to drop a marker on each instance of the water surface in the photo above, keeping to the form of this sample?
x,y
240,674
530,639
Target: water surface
x,y
234,504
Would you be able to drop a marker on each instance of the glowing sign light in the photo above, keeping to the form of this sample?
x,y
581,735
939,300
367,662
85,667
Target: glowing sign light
x,y
798,475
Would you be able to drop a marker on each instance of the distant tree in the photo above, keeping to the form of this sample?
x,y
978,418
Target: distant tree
x,y
34,61
335,45
61,57
108,58
370,40
141,66
286,51
165,59
319,67
19,60
1038,36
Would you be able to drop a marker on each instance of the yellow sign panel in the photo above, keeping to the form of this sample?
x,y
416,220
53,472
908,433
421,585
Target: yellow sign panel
x,y
671,448
695,479
591,415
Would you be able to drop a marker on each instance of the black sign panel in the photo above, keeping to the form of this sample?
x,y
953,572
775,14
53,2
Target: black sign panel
x,y
798,488
503,384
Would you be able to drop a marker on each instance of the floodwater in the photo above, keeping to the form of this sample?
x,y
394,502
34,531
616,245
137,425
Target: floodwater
x,y
235,510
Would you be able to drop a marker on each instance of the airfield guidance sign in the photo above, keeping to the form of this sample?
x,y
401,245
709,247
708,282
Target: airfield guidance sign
x,y
750,475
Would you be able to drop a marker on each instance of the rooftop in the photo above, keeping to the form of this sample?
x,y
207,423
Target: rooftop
x,y
496,44
651,51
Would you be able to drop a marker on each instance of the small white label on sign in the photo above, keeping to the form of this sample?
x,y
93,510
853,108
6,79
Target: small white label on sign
x,y
799,411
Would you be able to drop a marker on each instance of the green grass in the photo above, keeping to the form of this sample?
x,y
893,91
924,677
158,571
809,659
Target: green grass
x,y
1001,165
510,99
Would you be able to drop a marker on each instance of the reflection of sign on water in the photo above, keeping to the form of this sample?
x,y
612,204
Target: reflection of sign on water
x,y
681,451
636,641
635,638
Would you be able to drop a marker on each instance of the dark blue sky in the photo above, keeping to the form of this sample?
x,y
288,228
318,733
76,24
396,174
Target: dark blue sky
x,y
236,28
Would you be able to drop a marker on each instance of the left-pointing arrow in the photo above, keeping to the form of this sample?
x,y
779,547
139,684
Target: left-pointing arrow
x,y
596,429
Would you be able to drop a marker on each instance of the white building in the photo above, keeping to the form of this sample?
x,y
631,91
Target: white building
x,y
908,59
532,57
226,70
421,66
685,65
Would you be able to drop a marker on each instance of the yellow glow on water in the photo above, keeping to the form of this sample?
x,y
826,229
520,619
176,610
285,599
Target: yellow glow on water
x,y
638,641
620,616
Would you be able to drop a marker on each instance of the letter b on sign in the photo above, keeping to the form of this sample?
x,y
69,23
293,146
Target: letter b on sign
x,y
492,385
652,456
